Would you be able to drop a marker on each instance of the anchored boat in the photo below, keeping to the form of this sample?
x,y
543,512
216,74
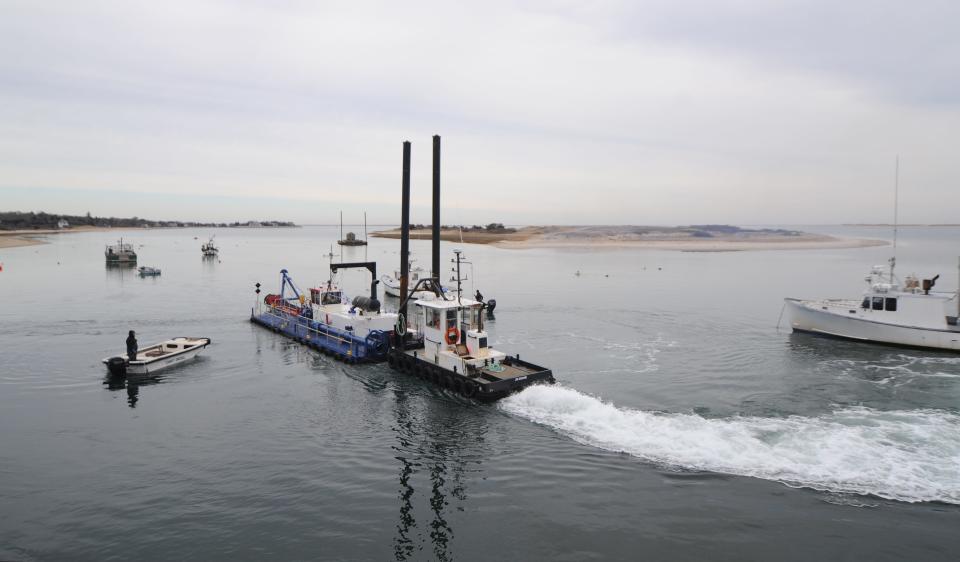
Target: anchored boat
x,y
146,271
157,357
351,239
209,249
120,253
391,284
909,314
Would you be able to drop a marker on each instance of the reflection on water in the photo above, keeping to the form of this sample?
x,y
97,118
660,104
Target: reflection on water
x,y
132,384
440,450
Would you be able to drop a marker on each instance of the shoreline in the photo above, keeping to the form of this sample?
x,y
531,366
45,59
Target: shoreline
x,y
20,238
651,238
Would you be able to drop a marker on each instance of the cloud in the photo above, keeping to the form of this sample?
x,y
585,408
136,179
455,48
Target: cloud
x,y
616,112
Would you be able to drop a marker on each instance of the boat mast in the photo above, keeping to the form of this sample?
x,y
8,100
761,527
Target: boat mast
x,y
896,193
459,281
364,226
341,225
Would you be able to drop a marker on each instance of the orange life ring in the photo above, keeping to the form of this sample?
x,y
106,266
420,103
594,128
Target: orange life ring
x,y
453,335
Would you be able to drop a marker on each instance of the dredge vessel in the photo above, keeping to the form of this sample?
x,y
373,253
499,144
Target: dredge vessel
x,y
353,332
445,341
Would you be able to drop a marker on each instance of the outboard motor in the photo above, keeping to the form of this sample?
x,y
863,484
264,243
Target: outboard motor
x,y
367,304
117,366
490,305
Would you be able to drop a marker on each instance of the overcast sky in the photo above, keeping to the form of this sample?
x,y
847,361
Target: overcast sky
x,y
634,112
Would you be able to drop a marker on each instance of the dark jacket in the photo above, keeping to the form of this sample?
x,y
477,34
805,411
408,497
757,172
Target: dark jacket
x,y
131,345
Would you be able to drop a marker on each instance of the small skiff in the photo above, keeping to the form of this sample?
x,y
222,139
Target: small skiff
x,y
157,357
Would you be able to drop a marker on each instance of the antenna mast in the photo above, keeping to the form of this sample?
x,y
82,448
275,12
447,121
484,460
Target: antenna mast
x,y
896,207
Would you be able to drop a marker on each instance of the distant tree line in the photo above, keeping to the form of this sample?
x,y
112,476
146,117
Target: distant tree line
x,y
493,228
15,220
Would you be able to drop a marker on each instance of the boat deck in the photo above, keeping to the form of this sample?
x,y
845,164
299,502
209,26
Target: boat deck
x,y
508,372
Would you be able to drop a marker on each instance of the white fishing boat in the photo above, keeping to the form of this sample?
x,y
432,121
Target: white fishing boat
x,y
209,249
907,314
890,312
157,357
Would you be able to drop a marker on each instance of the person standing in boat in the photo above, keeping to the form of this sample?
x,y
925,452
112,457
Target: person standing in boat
x,y
478,297
132,346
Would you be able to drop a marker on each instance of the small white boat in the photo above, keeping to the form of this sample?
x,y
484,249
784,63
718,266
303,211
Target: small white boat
x,y
146,271
157,357
911,315
391,284
209,249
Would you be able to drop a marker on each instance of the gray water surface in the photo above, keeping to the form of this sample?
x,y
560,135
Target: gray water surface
x,y
684,425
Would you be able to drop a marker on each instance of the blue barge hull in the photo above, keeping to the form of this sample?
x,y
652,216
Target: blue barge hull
x,y
331,341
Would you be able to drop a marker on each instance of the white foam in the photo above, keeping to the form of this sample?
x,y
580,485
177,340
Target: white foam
x,y
909,455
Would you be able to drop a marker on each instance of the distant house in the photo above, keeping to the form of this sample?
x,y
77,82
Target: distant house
x,y
62,223
254,224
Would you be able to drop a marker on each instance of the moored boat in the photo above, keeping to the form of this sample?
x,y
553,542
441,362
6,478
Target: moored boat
x,y
910,314
146,271
120,253
209,249
391,284
157,357
351,239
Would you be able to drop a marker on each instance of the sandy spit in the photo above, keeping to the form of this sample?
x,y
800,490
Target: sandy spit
x,y
652,238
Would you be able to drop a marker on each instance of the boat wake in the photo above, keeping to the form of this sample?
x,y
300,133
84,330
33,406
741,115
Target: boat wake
x,y
909,455
895,369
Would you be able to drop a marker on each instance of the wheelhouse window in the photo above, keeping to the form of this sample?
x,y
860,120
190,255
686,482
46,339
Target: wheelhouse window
x,y
451,317
432,318
331,298
878,303
890,304
865,303
472,317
